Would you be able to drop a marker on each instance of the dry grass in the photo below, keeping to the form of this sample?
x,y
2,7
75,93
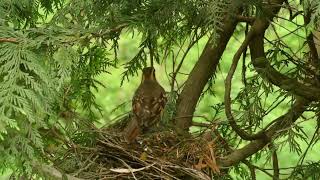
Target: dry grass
x,y
157,155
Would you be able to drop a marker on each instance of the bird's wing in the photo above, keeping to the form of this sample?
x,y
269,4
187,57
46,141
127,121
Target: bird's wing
x,y
159,103
137,104
147,105
132,130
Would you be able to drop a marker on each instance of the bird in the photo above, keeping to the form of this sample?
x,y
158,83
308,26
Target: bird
x,y
148,104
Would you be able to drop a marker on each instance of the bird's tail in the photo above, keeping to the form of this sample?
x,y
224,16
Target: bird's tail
x,y
132,130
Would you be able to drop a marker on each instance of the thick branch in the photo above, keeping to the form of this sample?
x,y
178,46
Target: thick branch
x,y
199,76
281,123
258,28
264,68
280,126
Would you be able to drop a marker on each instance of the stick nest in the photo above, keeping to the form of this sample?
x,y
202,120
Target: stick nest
x,y
157,155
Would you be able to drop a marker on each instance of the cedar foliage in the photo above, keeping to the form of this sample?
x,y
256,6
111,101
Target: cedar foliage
x,y
52,50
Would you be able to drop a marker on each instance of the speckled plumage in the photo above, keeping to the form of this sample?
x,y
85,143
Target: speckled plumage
x,y
147,105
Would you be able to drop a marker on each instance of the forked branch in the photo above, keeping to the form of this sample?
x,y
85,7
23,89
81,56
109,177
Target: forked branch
x,y
258,28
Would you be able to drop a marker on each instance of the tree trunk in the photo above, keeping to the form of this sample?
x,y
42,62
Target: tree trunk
x,y
199,76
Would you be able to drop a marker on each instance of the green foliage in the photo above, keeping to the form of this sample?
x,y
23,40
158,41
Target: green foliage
x,y
308,171
52,51
23,13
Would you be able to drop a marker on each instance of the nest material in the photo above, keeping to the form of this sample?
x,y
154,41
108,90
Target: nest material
x,y
158,155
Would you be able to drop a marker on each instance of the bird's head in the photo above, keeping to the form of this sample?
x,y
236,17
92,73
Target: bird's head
x,y
148,74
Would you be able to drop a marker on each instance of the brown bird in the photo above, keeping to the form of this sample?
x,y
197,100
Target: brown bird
x,y
147,105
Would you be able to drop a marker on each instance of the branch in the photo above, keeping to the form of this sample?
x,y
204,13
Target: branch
x,y
263,170
191,44
280,126
310,40
108,31
252,170
258,28
53,172
11,40
199,76
264,68
275,163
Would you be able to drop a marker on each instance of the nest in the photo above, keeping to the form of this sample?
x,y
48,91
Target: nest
x,y
157,155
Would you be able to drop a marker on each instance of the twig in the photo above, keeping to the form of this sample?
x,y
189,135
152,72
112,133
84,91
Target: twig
x,y
275,162
88,165
176,71
115,29
11,40
309,145
263,170
252,169
130,170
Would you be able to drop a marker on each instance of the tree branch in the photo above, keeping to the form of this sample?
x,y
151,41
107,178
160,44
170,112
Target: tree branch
x,y
53,172
310,41
259,27
252,170
280,126
264,68
275,163
11,40
199,76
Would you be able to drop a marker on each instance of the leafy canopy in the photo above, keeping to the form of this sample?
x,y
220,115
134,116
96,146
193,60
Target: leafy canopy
x,y
52,50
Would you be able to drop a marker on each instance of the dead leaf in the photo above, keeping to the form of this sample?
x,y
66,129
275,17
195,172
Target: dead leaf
x,y
144,156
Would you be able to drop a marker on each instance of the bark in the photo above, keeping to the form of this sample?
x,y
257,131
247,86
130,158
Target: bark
x,y
11,40
199,76
281,125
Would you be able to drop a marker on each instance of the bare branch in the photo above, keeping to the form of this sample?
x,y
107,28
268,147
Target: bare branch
x,y
199,76
252,169
275,163
264,68
11,40
258,27
280,124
